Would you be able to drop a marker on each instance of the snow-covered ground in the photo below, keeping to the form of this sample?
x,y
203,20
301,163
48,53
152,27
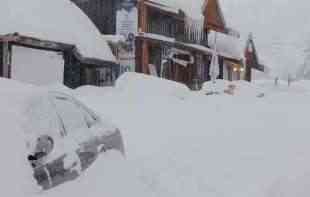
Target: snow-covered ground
x,y
218,145
182,143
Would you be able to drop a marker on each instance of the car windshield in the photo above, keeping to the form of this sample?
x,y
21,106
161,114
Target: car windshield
x,y
71,114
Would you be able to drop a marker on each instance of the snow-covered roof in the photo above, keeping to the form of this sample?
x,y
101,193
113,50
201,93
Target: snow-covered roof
x,y
192,9
163,7
56,20
227,45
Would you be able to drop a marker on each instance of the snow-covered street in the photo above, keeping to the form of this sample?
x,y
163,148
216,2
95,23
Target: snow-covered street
x,y
183,143
196,145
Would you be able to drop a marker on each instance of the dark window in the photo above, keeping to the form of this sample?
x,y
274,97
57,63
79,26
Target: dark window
x,y
1,59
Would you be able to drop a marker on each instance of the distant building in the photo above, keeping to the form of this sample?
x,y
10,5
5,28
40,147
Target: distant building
x,y
227,41
252,61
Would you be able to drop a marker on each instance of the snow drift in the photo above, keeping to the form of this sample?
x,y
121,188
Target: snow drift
x,y
135,84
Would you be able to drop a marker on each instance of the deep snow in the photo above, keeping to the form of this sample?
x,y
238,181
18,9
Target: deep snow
x,y
184,144
218,145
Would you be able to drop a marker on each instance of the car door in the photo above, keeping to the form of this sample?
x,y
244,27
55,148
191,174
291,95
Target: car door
x,y
77,125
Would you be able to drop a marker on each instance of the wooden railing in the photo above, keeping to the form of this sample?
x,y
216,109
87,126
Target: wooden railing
x,y
192,32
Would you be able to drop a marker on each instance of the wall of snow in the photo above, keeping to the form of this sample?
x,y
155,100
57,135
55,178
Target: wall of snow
x,y
37,66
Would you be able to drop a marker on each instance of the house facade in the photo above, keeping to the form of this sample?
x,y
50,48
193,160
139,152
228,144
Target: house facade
x,y
43,62
171,45
43,53
164,41
252,60
226,40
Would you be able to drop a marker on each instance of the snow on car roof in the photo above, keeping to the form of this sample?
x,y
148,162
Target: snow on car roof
x,y
57,20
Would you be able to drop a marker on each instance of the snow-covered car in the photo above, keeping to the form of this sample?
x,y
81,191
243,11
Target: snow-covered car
x,y
64,137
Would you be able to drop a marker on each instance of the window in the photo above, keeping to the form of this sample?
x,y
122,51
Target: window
x,y
72,115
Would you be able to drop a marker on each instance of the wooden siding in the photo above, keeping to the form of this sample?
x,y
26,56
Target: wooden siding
x,y
214,19
1,59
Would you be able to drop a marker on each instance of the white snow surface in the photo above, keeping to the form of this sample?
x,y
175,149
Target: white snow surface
x,y
57,20
218,146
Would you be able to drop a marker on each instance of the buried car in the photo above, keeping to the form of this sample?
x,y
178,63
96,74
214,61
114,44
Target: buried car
x,y
64,137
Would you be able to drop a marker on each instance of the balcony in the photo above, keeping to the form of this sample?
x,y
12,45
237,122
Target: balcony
x,y
192,33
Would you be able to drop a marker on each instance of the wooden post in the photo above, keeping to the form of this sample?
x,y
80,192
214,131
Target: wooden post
x,y
6,65
143,22
145,56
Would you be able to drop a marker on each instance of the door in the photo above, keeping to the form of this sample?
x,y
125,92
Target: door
x,y
39,67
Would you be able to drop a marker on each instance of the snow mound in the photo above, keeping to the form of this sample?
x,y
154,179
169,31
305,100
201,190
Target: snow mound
x,y
69,25
93,90
303,84
59,87
115,179
240,88
146,85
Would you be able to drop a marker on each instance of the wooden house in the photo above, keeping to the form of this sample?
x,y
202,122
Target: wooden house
x,y
251,59
226,39
167,42
171,45
37,61
45,48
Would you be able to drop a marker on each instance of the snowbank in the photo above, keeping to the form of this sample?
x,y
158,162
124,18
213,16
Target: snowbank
x,y
240,88
215,145
146,85
57,20
110,175
16,177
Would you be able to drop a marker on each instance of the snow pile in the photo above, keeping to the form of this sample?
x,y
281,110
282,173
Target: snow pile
x,y
57,20
93,90
214,145
200,146
16,177
110,175
238,88
135,84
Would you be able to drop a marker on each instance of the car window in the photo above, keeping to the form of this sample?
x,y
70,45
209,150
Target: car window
x,y
72,116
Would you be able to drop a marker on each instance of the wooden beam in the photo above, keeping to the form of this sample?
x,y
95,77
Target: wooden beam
x,y
6,63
